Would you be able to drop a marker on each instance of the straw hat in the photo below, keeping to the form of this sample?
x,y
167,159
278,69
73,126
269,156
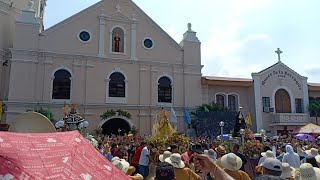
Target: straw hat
x,y
175,161
307,172
287,171
121,164
164,156
221,150
267,154
313,152
231,162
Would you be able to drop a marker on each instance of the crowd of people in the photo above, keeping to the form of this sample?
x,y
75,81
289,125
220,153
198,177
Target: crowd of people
x,y
283,159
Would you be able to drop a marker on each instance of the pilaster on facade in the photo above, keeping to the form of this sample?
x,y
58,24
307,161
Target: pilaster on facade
x,y
258,101
305,94
102,31
133,39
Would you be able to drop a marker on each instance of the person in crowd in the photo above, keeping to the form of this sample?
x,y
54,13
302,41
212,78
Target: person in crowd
x,y
113,149
232,164
180,171
281,152
212,154
291,157
164,171
204,163
235,150
307,172
143,167
311,154
137,154
272,166
164,156
288,172
110,153
185,157
220,150
174,148
121,152
265,155
204,146
125,167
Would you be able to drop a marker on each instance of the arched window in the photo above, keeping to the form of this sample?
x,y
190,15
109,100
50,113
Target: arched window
x,y
61,84
232,102
117,85
164,90
220,100
117,40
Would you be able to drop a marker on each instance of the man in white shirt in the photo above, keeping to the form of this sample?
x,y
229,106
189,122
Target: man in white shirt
x,y
143,167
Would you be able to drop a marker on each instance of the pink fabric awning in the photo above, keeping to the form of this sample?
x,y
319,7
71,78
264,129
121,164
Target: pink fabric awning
x,y
61,155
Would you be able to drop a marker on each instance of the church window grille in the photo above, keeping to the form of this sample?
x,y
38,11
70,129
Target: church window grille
x,y
220,100
299,105
61,85
117,85
232,102
164,90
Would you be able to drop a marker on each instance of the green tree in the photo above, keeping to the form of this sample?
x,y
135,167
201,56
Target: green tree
x,y
314,109
212,107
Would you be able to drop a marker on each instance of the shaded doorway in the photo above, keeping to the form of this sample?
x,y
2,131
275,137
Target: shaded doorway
x,y
282,101
113,126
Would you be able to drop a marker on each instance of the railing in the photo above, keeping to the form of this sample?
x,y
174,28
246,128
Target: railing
x,y
290,118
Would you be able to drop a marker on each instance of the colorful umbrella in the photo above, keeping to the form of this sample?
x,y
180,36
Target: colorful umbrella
x,y
63,155
305,136
307,129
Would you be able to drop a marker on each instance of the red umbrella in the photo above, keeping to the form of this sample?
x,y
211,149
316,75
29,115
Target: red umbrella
x,y
63,155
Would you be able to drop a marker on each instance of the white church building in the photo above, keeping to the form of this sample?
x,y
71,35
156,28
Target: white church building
x,y
114,56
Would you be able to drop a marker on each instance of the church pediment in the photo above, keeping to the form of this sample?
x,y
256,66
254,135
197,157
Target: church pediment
x,y
119,16
279,74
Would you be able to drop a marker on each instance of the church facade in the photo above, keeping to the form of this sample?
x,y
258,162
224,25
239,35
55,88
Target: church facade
x,y
114,56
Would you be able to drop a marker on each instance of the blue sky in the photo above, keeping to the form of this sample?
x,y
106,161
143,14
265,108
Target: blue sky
x,y
238,36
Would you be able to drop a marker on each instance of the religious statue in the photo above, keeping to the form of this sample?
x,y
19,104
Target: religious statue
x,y
162,126
66,109
116,41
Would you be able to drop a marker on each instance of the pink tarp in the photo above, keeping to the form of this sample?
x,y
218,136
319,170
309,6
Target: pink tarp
x,y
63,155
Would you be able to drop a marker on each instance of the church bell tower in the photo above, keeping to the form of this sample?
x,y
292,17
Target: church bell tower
x,y
38,7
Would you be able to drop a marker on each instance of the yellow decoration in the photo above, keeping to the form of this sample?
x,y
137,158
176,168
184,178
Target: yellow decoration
x,y
163,135
248,119
66,109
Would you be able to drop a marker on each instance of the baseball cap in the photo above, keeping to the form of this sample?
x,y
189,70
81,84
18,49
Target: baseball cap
x,y
272,164
164,171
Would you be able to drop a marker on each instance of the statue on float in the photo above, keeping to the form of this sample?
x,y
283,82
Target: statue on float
x,y
162,126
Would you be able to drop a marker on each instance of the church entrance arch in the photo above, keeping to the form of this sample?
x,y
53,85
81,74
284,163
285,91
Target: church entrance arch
x,y
117,125
282,101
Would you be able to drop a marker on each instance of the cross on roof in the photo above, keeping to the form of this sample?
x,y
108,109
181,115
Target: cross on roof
x,y
278,51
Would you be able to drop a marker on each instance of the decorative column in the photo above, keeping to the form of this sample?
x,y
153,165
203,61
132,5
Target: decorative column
x,y
305,94
258,101
102,30
134,39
